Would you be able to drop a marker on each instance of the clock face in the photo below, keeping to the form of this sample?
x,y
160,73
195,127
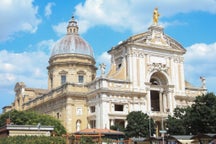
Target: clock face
x,y
79,111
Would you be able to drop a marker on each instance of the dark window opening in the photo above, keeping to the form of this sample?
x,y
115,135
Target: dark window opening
x,y
154,82
63,79
155,101
92,109
93,77
80,78
119,107
120,123
51,82
119,66
92,123
58,115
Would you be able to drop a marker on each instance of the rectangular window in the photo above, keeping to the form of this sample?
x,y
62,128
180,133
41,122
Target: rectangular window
x,y
79,111
92,109
119,107
93,123
51,81
80,78
63,79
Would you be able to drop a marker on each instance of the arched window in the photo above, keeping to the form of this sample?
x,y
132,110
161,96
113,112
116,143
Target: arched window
x,y
158,78
154,81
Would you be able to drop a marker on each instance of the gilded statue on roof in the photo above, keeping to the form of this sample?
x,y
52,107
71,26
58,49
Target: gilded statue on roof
x,y
156,16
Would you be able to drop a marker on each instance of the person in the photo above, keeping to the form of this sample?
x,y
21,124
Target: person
x,y
156,16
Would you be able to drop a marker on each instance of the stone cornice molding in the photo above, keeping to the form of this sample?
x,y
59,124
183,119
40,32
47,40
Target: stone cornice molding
x,y
187,98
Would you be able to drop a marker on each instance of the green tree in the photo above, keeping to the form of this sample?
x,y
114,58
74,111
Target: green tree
x,y
117,127
138,125
32,118
200,117
175,126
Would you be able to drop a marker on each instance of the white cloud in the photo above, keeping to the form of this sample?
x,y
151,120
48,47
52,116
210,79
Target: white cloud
x,y
21,67
200,61
201,52
104,58
45,46
134,15
29,67
60,28
48,9
17,16
8,67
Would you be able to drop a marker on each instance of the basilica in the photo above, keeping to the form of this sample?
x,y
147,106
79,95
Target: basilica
x,y
146,74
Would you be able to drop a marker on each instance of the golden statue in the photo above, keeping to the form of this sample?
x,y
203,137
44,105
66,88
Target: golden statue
x,y
156,16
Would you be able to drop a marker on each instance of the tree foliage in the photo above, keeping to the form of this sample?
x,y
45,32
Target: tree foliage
x,y
202,114
200,117
117,127
86,140
175,126
32,118
138,124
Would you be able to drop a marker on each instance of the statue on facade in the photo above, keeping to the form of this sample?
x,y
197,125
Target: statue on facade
x,y
78,125
203,80
156,16
102,68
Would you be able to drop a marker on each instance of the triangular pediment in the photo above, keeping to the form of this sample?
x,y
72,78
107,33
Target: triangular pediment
x,y
156,38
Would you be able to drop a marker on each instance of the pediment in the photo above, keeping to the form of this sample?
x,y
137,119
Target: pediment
x,y
156,38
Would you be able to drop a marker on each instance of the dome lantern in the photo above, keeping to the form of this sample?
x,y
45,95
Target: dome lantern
x,y
72,27
72,43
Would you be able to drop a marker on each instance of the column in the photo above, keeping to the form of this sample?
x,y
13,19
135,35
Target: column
x,y
161,101
111,122
148,101
165,101
170,102
125,124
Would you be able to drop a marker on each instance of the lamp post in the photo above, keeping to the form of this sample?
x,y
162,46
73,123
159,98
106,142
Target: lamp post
x,y
162,131
149,124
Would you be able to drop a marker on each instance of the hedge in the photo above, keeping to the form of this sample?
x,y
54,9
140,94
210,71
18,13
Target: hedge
x,y
32,140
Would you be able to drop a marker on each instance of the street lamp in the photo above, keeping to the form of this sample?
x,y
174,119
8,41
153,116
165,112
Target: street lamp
x,y
149,124
162,131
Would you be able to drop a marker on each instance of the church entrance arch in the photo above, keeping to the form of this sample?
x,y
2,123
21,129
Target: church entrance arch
x,y
158,81
158,97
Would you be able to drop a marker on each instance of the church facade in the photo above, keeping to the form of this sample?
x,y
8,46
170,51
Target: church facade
x,y
146,74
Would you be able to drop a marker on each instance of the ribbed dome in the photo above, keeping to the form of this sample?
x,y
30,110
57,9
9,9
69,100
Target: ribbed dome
x,y
72,42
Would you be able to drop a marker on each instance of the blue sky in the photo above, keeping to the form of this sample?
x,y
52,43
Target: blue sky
x,y
29,28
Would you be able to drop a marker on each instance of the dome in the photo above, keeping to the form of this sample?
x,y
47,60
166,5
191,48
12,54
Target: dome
x,y
72,42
